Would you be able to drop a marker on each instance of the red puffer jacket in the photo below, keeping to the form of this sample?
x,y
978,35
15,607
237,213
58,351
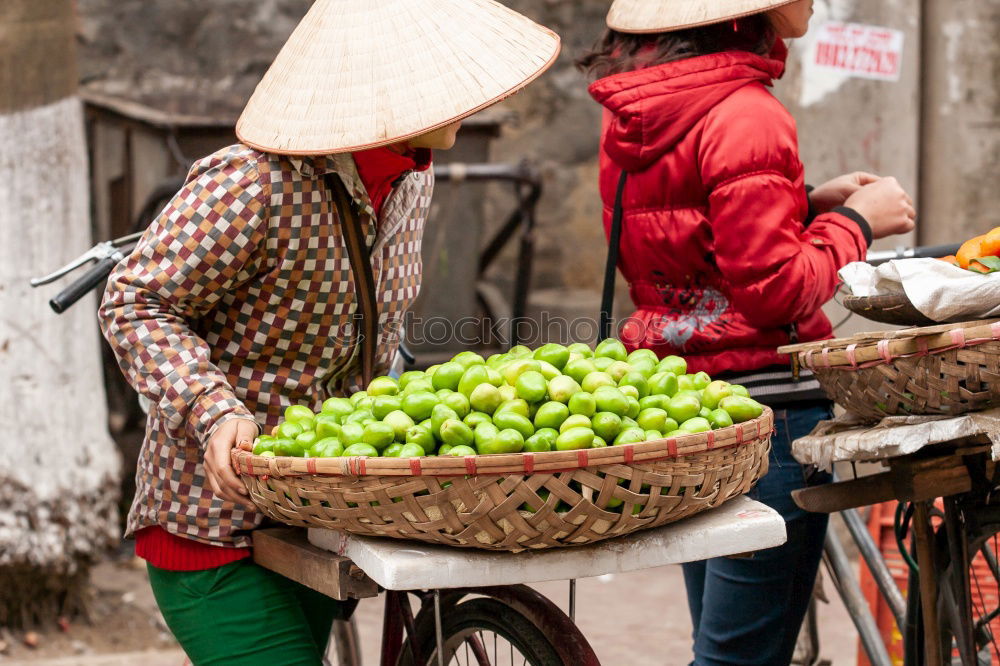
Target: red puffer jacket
x,y
715,247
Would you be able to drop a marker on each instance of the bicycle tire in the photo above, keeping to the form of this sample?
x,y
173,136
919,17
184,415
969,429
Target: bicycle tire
x,y
484,614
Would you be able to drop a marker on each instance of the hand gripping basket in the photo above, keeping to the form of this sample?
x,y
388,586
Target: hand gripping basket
x,y
575,497
949,369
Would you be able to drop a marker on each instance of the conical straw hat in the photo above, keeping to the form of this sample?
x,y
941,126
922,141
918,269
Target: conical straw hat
x,y
641,16
359,74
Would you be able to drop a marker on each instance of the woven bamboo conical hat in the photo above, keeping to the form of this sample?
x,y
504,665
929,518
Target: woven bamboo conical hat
x,y
359,74
641,16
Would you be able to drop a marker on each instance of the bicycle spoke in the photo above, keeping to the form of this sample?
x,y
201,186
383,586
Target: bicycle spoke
x,y
478,649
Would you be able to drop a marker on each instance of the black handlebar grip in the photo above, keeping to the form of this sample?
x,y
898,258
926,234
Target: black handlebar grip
x,y
96,276
936,251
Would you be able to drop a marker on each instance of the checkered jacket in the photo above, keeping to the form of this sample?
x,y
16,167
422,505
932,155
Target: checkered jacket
x,y
239,301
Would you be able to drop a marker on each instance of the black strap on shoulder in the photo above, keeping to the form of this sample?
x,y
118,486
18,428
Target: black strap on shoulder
x,y
359,255
611,268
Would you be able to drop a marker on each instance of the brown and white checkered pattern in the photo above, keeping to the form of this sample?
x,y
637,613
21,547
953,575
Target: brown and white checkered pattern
x,y
239,301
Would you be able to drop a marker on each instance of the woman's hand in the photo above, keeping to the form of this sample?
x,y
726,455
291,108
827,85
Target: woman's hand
x,y
887,207
836,192
218,465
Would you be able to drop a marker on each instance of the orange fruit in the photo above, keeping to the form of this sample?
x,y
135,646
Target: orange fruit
x,y
990,247
971,249
950,259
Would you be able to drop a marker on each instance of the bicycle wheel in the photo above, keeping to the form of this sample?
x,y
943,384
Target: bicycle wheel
x,y
343,647
484,632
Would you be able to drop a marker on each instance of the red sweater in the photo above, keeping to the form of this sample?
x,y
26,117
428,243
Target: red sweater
x,y
380,169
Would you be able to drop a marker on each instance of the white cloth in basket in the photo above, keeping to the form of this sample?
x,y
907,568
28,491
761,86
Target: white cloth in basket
x,y
939,290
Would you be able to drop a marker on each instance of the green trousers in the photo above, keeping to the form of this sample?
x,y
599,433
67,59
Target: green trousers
x,y
244,614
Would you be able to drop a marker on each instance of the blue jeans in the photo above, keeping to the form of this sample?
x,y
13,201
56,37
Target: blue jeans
x,y
749,611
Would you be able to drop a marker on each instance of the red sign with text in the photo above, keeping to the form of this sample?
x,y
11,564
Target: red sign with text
x,y
864,51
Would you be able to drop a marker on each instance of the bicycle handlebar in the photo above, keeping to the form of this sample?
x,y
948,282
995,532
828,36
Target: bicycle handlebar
x,y
930,252
79,288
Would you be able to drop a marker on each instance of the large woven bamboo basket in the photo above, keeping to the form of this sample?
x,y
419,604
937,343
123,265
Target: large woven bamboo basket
x,y
895,309
575,497
948,369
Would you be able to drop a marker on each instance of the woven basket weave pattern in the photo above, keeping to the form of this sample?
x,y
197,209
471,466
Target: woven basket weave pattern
x,y
656,482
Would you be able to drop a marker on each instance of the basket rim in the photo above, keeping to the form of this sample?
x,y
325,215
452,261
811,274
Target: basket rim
x,y
740,434
866,350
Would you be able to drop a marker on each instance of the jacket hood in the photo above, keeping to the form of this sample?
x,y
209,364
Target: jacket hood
x,y
650,110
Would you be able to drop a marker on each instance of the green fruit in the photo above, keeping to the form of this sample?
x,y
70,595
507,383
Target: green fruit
x,y
392,451
602,363
517,405
685,383
384,404
651,401
580,348
611,348
575,421
429,372
720,418
742,390
515,369
610,399
508,393
669,426
467,359
473,377
652,435
338,407
674,364
583,403
379,435
562,388
683,407
644,367
548,370
697,424
595,380
629,391
439,415
579,368
408,377
473,419
531,386
633,407
548,434
630,436
445,449
551,415
512,420
419,404
263,443
505,441
417,385
713,394
365,450
606,425
552,353
457,402
456,433
355,397
538,443
485,398
460,451
286,446
448,376
484,434
628,422
494,377
653,418
637,380
306,440
598,443
400,422
360,416
618,370
496,360
574,439
365,403
663,383
383,386
411,451
327,425
290,430
421,437
741,408
519,351
298,413
267,454
701,380
642,353
350,433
